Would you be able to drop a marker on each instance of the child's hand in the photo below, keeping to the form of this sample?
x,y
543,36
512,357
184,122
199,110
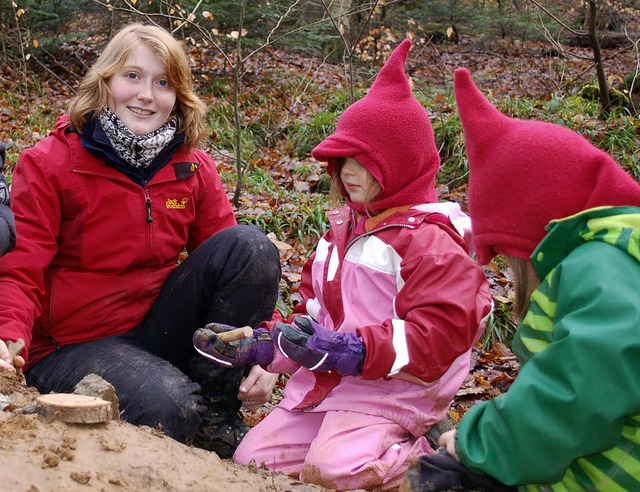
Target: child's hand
x,y
448,441
5,358
319,349
255,349
9,356
255,389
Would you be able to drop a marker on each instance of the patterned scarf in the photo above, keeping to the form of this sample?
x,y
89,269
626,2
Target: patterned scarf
x,y
137,151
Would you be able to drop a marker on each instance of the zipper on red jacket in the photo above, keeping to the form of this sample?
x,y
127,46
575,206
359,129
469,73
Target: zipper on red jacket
x,y
54,341
147,200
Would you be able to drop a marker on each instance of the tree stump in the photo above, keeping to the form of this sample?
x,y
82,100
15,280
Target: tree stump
x,y
74,409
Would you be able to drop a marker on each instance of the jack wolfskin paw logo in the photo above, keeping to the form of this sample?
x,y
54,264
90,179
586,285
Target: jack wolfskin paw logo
x,y
174,203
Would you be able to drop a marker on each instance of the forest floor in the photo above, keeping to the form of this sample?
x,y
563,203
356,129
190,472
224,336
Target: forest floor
x,y
42,455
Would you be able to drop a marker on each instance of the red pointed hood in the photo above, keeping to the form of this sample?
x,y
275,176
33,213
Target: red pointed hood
x,y
388,131
524,173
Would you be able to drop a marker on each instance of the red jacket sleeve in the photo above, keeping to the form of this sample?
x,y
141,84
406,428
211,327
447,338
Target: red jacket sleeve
x,y
37,209
439,310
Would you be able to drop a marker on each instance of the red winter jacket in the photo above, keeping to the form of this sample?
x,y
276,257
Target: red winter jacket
x,y
94,248
409,289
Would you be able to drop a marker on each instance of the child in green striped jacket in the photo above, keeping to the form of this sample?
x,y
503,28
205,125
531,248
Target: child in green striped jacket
x,y
567,217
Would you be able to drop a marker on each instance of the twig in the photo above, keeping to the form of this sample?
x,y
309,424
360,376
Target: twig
x,y
59,79
282,18
189,17
637,70
546,11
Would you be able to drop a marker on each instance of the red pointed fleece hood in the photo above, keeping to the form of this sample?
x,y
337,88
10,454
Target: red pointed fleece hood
x,y
388,131
524,173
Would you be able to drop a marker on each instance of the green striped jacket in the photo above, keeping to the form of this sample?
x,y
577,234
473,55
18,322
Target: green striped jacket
x,y
571,420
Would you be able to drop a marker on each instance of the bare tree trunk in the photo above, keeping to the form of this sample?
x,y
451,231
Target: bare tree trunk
x,y
592,35
603,84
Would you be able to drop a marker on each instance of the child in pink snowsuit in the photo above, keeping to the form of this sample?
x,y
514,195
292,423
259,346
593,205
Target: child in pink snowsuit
x,y
392,305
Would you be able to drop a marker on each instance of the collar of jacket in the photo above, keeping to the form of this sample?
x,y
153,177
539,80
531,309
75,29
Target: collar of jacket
x,y
343,221
618,226
372,222
94,139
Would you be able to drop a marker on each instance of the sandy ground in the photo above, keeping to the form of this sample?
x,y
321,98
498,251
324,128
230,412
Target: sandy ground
x,y
41,455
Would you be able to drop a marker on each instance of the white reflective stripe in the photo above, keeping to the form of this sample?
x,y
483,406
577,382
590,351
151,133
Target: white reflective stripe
x,y
324,357
280,346
322,250
313,307
400,285
209,356
287,355
334,261
396,447
375,254
488,315
400,346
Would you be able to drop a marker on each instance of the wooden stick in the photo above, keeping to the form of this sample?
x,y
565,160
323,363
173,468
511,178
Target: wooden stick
x,y
237,334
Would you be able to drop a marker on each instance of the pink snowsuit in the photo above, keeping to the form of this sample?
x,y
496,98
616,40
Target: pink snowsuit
x,y
417,299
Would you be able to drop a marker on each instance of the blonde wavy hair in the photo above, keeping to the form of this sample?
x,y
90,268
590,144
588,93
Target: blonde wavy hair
x,y
525,282
337,192
336,188
93,92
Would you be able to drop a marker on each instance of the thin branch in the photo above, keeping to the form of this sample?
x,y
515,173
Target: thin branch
x,y
20,43
59,79
636,72
282,18
336,27
283,35
546,11
152,16
557,44
189,17
364,24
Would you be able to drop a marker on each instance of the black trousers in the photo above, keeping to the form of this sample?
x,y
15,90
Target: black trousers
x,y
231,278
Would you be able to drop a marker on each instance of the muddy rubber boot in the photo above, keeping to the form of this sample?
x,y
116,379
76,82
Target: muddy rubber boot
x,y
434,433
221,437
439,472
222,427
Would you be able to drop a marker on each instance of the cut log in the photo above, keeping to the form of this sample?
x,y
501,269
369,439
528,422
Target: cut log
x,y
74,409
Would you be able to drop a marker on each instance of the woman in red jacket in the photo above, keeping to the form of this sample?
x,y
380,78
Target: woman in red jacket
x,y
104,207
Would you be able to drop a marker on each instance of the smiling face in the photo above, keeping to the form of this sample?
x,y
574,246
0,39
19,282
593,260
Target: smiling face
x,y
141,95
359,184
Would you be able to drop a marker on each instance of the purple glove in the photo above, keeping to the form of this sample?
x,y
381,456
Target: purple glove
x,y
319,349
250,351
